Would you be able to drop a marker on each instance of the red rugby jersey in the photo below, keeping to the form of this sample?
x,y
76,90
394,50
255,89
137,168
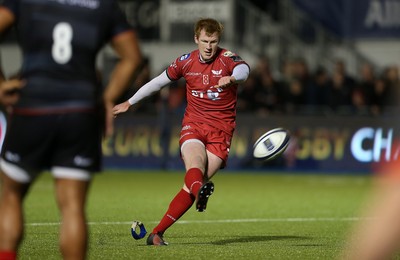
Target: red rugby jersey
x,y
204,103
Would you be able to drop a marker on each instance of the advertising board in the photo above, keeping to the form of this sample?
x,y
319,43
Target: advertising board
x,y
318,144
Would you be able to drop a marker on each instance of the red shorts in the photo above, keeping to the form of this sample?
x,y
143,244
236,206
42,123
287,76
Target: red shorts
x,y
215,140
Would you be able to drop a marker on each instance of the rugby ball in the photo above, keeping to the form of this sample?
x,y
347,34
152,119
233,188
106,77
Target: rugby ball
x,y
271,144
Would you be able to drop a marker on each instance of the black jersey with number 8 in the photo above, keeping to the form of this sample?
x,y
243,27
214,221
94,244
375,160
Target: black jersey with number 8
x,y
60,40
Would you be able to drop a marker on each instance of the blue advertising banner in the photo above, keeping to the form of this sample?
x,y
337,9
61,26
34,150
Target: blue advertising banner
x,y
356,18
318,144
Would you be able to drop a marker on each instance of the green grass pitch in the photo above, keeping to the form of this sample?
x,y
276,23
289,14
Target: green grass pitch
x,y
249,216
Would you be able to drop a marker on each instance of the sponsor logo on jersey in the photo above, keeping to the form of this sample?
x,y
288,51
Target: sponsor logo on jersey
x,y
184,57
213,95
82,161
233,56
12,157
186,127
193,74
216,72
91,4
228,54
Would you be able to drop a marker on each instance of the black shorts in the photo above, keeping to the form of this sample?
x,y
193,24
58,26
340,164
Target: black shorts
x,y
40,142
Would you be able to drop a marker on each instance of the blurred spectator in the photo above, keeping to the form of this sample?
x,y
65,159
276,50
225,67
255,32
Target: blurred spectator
x,y
301,71
294,96
379,97
317,91
291,85
361,96
366,82
268,92
340,94
340,68
247,94
391,75
287,71
268,95
359,103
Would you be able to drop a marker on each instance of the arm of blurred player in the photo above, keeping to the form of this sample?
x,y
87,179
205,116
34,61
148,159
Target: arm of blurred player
x,y
9,93
127,48
7,19
146,90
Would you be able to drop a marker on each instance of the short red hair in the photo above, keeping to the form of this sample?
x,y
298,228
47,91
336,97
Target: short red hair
x,y
209,25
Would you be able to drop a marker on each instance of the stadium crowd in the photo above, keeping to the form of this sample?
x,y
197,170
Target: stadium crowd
x,y
295,89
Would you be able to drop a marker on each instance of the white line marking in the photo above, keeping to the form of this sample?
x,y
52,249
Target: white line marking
x,y
251,220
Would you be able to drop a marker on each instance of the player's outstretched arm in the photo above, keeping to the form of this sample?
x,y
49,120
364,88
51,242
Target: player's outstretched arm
x,y
146,90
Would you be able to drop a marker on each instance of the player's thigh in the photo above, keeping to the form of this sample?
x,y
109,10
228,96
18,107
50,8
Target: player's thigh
x,y
194,154
217,147
12,189
71,194
214,164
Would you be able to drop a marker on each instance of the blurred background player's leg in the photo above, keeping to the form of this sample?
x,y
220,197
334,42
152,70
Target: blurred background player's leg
x,y
71,199
11,216
377,236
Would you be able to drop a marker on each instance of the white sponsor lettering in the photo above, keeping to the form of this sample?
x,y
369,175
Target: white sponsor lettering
x,y
384,14
193,74
12,157
82,161
372,145
91,4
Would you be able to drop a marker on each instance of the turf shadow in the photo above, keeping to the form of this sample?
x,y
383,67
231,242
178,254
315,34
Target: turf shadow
x,y
250,239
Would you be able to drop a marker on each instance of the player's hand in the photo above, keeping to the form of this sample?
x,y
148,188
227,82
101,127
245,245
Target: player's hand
x,y
109,120
9,91
121,108
226,81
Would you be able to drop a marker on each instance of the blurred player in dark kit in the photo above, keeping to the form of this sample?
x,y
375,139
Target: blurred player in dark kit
x,y
212,76
63,111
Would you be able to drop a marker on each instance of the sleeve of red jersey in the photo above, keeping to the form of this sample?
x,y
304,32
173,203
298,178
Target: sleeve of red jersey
x,y
232,59
175,70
